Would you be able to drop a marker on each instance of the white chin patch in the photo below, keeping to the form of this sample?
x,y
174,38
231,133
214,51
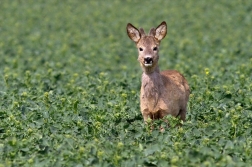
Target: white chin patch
x,y
148,65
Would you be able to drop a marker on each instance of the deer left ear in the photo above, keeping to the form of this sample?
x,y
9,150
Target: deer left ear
x,y
161,31
133,33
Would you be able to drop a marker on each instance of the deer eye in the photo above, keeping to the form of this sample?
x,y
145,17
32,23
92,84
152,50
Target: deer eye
x,y
140,49
155,48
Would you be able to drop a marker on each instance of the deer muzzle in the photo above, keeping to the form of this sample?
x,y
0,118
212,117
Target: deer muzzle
x,y
148,61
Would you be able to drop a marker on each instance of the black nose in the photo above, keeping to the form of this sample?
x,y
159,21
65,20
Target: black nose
x,y
148,60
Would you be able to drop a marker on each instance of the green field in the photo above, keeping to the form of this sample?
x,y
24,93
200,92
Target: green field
x,y
70,83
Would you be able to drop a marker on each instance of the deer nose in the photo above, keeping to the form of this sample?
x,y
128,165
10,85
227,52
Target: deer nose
x,y
148,60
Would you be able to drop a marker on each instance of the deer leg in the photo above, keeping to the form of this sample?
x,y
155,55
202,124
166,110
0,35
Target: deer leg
x,y
182,114
160,115
146,115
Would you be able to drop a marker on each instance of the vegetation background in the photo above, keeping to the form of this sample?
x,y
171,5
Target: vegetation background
x,y
69,87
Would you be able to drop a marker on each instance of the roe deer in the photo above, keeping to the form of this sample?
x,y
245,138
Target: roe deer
x,y
162,93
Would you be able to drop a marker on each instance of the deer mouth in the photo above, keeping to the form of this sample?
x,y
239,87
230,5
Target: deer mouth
x,y
147,64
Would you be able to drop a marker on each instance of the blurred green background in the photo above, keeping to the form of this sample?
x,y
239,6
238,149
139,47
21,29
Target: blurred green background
x,y
70,80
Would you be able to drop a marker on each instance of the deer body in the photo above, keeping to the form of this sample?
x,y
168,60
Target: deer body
x,y
162,93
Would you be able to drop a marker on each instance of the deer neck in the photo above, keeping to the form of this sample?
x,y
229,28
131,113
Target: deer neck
x,y
152,85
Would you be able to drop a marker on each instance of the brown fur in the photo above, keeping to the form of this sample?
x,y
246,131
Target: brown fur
x,y
162,93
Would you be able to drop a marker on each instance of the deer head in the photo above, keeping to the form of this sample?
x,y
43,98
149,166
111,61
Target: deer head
x,y
148,45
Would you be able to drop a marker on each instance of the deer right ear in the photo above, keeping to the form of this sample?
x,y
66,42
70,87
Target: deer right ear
x,y
133,33
161,31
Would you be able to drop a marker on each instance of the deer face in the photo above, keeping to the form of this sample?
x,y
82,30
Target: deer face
x,y
147,45
148,48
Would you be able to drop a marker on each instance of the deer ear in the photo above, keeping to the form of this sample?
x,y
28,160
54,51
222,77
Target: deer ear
x,y
161,31
133,33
